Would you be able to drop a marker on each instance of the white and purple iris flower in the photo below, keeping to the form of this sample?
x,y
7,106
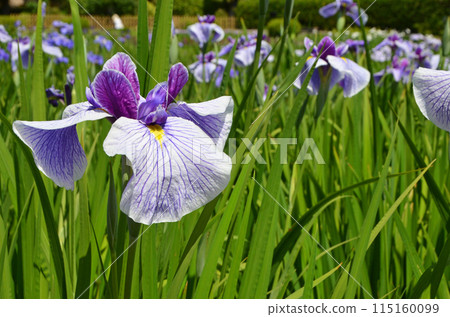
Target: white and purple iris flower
x,y
24,46
208,68
175,149
400,69
432,93
245,50
205,30
332,68
347,7
4,35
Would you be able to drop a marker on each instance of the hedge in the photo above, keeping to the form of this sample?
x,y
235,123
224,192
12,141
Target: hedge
x,y
426,16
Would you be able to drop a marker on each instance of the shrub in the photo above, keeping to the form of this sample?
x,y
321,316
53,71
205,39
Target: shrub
x,y
275,25
425,16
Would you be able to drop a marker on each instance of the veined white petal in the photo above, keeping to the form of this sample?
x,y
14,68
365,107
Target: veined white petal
x,y
432,92
177,168
55,146
214,117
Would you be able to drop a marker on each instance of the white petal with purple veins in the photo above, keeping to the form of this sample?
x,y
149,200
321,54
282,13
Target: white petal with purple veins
x,y
177,169
214,117
355,77
432,92
55,146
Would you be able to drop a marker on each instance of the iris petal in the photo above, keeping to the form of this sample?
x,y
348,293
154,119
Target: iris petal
x,y
214,117
432,93
123,63
114,93
171,178
329,10
55,146
355,77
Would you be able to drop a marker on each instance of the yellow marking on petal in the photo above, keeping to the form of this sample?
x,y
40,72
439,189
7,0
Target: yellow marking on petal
x,y
309,57
157,132
345,60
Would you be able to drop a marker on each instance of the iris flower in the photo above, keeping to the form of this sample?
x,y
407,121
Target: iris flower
x,y
432,93
24,45
348,7
399,68
205,30
208,67
4,56
64,28
94,59
103,42
162,138
332,68
245,50
4,36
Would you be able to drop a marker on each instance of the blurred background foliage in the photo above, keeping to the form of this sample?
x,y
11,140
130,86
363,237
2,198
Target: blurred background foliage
x,y
426,16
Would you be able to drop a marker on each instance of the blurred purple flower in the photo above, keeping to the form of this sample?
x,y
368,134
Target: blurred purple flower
x,y
70,76
54,95
331,69
4,56
94,59
4,36
355,46
347,7
207,68
61,60
64,28
245,50
396,43
205,30
399,69
103,42
56,39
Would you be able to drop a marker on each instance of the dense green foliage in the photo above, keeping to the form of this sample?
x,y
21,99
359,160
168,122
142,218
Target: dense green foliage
x,y
422,16
378,208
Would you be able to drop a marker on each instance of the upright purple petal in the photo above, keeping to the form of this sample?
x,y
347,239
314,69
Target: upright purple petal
x,y
114,93
177,169
314,83
214,117
55,146
178,77
432,93
355,77
123,63
326,47
330,9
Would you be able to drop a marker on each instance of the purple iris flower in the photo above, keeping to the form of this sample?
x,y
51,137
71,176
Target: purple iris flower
x,y
4,56
424,57
61,60
396,43
57,39
103,42
332,68
64,28
432,93
54,95
175,148
4,36
347,7
205,30
94,59
245,50
70,76
207,68
355,46
400,70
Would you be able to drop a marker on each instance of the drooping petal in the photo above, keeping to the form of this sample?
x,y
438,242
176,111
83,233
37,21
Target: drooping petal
x,y
123,63
114,93
355,13
52,50
214,117
4,36
199,33
55,146
178,77
329,10
217,33
314,83
176,168
432,93
203,72
245,56
355,77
